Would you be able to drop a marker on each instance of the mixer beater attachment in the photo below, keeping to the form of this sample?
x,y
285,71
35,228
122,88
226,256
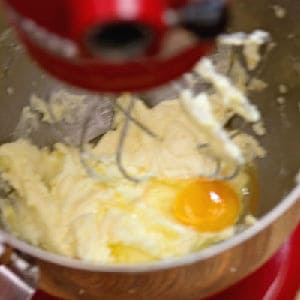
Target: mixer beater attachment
x,y
209,81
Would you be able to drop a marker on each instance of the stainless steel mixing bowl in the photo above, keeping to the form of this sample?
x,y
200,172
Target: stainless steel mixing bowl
x,y
196,275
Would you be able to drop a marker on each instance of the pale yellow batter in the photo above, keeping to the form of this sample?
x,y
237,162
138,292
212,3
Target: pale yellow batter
x,y
54,204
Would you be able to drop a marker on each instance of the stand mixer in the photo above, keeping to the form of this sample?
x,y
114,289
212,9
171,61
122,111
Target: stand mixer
x,y
125,46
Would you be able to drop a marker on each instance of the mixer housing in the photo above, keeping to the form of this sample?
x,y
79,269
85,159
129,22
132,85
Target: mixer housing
x,y
117,45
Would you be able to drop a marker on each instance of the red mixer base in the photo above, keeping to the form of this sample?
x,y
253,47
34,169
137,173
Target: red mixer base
x,y
278,279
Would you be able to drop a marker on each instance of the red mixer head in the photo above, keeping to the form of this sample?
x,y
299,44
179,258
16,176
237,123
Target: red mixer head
x,y
117,45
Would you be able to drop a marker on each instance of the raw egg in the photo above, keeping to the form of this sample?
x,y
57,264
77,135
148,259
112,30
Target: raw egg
x,y
207,205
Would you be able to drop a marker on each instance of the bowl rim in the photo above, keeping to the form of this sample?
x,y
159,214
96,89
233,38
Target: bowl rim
x,y
160,265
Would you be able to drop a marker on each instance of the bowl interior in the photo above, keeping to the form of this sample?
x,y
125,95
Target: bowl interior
x,y
20,77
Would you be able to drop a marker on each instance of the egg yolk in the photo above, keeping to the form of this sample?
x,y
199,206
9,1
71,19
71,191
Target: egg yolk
x,y
207,205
